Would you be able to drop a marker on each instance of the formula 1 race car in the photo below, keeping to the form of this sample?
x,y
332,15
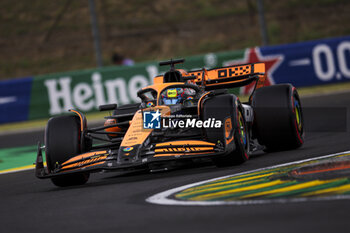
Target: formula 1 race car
x,y
182,116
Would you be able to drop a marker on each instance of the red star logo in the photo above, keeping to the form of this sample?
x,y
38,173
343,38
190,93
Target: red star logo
x,y
253,55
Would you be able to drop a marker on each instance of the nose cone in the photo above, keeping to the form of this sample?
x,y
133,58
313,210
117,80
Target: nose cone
x,y
128,154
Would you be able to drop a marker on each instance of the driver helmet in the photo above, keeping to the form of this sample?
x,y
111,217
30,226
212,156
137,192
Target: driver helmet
x,y
173,96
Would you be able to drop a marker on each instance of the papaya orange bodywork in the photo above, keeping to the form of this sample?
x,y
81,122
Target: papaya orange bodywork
x,y
136,134
80,117
216,74
168,155
100,155
186,143
188,147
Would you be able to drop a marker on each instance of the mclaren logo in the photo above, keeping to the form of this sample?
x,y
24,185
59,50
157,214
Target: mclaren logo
x,y
183,149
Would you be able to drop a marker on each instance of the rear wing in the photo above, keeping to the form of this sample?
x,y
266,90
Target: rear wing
x,y
231,76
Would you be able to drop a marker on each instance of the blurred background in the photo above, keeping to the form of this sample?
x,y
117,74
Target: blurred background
x,y
40,37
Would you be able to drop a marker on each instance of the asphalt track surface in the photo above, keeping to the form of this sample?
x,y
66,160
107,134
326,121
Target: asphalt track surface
x,y
115,202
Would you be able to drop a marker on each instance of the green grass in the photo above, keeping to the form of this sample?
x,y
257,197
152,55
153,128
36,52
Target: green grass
x,y
152,30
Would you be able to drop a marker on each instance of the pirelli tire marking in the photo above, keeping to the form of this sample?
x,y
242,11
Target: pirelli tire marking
x,y
322,178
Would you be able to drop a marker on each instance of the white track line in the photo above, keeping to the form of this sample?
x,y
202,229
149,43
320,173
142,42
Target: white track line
x,y
163,198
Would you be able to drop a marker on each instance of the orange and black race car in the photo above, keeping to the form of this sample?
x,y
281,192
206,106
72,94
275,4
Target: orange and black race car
x,y
182,116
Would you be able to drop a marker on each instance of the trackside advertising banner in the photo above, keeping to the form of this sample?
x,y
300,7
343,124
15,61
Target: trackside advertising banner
x,y
15,99
86,90
302,64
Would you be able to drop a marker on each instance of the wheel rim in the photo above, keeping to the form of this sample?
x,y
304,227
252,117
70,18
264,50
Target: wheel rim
x,y
242,129
297,111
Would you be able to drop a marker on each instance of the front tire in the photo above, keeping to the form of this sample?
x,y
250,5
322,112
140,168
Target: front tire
x,y
221,108
62,142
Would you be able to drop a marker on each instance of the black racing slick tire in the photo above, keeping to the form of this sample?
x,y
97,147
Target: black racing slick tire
x,y
227,107
62,142
278,117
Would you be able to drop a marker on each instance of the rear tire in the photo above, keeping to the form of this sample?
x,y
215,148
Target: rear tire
x,y
278,117
62,142
221,107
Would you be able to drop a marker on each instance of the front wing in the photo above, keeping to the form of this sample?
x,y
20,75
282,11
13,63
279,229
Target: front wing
x,y
109,160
